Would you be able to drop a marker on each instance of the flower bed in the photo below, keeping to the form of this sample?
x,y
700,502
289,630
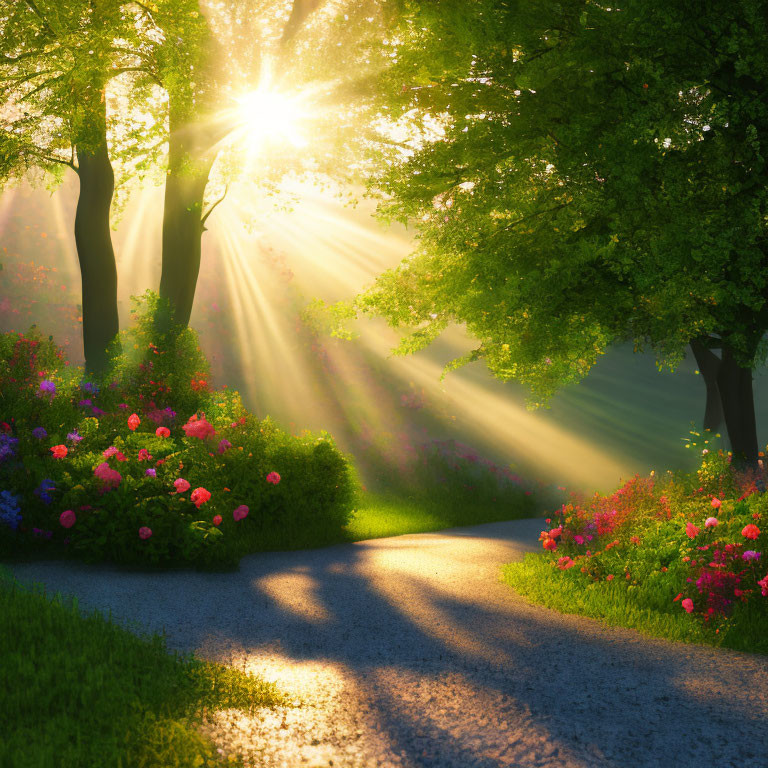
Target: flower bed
x,y
115,470
689,546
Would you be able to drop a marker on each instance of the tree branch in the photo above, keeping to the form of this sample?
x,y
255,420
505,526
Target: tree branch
x,y
212,208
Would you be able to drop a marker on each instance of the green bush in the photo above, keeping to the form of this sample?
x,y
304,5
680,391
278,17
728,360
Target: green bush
x,y
89,469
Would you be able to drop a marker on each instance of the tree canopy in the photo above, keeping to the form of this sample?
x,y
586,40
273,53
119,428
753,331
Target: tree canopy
x,y
578,175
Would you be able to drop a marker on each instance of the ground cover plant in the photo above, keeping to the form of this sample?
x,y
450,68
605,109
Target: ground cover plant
x,y
81,691
680,555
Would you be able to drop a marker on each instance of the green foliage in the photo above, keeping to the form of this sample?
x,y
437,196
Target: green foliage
x,y
124,446
144,705
578,175
636,557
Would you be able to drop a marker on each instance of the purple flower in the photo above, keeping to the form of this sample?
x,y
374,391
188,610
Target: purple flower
x,y
7,445
98,412
84,403
89,387
151,472
74,437
39,433
43,491
750,554
47,387
122,406
224,445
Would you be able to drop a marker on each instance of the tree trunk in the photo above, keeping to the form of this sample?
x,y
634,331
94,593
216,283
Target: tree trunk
x,y
735,385
709,366
93,239
189,164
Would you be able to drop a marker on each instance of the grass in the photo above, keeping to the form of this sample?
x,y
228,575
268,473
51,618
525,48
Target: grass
x,y
632,606
81,691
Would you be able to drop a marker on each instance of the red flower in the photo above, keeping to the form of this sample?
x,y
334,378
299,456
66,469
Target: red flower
x,y
60,451
67,518
273,478
144,532
217,520
144,455
550,544
200,496
750,531
163,432
691,531
200,428
133,421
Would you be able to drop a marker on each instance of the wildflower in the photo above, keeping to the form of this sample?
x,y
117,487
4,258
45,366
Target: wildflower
x,y
224,445
609,577
163,432
750,554
74,437
274,478
10,510
716,503
217,520
47,387
181,485
200,496
240,512
199,428
133,422
144,455
750,531
691,531
151,472
578,538
687,604
67,518
710,522
110,478
144,532
59,451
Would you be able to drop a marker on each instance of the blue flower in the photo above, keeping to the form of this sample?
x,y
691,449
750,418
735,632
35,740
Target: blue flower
x,y
39,433
10,511
44,490
7,446
89,387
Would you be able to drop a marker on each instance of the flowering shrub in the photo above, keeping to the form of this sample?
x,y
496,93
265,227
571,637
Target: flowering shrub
x,y
659,535
87,472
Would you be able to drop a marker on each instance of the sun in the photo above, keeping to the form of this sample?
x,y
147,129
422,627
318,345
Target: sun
x,y
266,116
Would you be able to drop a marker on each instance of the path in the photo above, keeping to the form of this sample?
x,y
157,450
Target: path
x,y
411,652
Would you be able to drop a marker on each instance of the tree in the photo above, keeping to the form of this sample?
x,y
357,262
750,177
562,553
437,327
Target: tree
x,y
55,61
580,175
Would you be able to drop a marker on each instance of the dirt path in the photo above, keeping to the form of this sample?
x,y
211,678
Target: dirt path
x,y
410,652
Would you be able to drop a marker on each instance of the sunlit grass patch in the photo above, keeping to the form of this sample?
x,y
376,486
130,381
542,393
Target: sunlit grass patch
x,y
81,691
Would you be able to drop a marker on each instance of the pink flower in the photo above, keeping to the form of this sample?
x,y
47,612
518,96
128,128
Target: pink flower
x,y
273,478
763,584
224,445
111,478
217,520
750,531
181,485
710,522
578,539
565,562
59,451
716,503
750,554
133,421
144,532
200,496
144,455
240,513
67,518
554,533
111,451
200,428
691,531
687,604
163,432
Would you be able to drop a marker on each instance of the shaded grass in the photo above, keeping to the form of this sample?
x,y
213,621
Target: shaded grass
x,y
635,606
81,691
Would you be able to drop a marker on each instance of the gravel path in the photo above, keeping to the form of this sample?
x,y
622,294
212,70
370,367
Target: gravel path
x,y
410,652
